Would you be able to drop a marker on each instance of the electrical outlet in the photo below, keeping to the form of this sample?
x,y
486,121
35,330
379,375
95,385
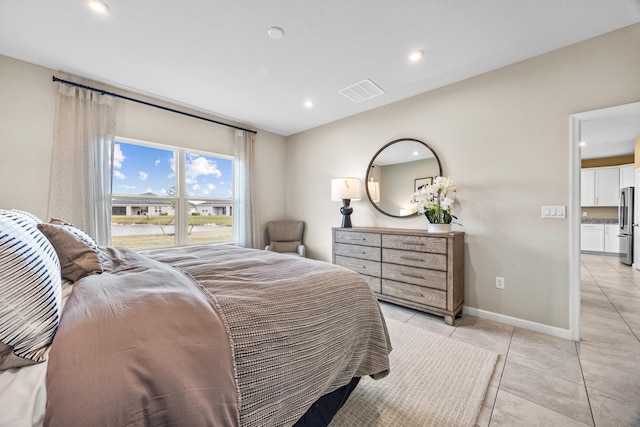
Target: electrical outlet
x,y
500,282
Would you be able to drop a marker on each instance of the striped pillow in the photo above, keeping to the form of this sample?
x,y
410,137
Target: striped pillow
x,y
27,215
30,291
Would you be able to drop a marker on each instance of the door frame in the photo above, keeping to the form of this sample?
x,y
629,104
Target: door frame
x,y
575,123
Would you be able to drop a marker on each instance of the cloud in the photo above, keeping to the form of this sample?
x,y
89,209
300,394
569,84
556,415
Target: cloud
x,y
118,157
127,187
157,162
195,187
143,175
211,187
118,174
202,166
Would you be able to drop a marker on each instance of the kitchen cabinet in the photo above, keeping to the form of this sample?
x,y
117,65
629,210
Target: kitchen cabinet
x,y
627,176
611,239
592,237
600,186
588,187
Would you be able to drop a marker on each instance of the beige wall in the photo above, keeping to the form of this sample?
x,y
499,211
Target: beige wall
x,y
397,183
502,136
608,161
27,112
504,139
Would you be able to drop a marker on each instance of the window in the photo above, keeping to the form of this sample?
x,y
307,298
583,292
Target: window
x,y
165,196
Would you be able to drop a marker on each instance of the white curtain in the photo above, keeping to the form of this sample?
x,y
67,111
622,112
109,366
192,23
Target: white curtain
x,y
80,190
246,230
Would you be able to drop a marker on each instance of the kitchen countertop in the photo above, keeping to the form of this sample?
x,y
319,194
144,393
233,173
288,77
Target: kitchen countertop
x,y
599,221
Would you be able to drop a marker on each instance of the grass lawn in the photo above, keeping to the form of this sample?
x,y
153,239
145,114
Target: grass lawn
x,y
166,220
222,232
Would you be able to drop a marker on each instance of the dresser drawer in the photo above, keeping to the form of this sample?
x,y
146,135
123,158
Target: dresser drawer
x,y
413,268
357,251
362,266
414,275
356,238
415,243
418,294
415,259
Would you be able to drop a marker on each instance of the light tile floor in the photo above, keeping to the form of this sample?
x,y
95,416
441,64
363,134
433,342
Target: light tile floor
x,y
541,380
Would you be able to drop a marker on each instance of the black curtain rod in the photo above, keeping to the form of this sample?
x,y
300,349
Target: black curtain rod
x,y
104,92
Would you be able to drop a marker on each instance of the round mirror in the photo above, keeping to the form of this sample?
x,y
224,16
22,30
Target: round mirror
x,y
396,171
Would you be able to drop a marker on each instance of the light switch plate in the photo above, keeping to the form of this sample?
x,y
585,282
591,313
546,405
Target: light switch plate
x,y
554,212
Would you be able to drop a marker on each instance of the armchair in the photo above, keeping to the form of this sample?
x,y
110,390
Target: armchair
x,y
285,237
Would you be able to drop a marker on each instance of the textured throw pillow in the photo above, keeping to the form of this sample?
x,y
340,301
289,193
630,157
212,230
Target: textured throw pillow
x,y
78,254
78,232
30,291
285,246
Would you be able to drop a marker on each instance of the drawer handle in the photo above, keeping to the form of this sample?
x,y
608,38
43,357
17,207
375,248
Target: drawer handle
x,y
356,265
358,252
412,243
411,275
417,294
406,258
354,238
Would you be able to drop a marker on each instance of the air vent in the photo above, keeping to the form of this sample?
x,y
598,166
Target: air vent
x,y
362,91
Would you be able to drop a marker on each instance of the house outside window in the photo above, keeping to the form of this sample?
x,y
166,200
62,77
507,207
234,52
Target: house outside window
x,y
164,196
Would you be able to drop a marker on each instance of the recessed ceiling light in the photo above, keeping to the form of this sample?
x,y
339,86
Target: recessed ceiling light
x,y
416,55
275,33
98,6
309,103
583,143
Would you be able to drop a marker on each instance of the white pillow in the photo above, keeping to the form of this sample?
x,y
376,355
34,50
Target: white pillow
x,y
30,291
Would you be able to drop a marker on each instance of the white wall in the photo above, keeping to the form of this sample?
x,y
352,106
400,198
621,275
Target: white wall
x,y
27,112
504,139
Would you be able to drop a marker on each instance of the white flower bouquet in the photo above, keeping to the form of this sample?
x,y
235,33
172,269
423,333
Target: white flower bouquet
x,y
435,200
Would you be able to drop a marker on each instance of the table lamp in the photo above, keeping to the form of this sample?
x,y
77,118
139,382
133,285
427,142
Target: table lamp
x,y
346,189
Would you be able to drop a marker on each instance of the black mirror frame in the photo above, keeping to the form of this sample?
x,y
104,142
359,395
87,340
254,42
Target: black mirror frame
x,y
374,158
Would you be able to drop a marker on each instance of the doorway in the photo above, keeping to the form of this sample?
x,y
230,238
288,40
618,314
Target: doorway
x,y
577,124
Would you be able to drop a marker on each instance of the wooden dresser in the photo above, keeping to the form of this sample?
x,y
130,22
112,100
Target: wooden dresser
x,y
412,268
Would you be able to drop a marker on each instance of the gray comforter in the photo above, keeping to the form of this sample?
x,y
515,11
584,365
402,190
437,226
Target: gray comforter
x,y
210,335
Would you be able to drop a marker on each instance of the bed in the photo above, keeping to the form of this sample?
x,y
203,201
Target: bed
x,y
213,335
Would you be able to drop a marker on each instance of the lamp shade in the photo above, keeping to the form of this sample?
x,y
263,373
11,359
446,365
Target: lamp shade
x,y
345,188
374,190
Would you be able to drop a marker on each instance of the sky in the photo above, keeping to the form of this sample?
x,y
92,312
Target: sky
x,y
139,169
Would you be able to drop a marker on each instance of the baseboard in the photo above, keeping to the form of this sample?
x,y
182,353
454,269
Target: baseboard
x,y
520,323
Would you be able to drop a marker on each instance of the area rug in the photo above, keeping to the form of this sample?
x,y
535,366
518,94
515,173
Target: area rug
x,y
434,381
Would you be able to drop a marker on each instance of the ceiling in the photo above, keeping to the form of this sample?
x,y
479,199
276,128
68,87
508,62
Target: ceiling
x,y
609,136
217,57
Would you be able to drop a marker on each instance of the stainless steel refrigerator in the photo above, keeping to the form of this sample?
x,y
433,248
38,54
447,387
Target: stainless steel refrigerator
x,y
625,221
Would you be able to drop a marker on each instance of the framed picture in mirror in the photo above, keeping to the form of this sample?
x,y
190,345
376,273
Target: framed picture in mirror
x,y
418,183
